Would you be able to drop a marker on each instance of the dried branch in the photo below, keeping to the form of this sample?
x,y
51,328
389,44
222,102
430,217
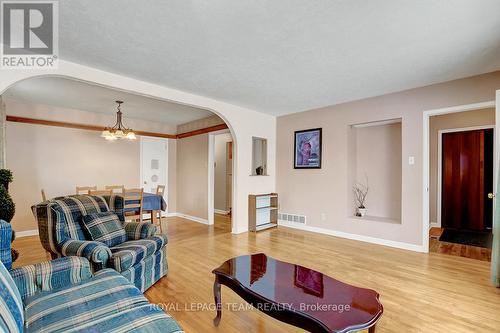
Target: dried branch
x,y
360,192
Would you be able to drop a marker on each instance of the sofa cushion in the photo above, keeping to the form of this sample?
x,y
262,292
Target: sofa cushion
x,y
105,228
130,253
11,306
107,302
74,207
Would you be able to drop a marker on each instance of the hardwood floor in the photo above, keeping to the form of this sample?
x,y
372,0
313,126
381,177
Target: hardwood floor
x,y
466,251
420,292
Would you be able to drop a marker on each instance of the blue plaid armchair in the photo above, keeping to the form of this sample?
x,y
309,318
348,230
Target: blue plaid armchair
x,y
64,295
142,259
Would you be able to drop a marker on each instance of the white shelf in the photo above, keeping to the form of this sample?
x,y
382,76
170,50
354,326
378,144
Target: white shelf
x,y
265,226
262,211
371,218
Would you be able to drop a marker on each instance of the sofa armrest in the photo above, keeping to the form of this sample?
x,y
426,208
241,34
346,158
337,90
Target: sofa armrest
x,y
49,275
136,230
96,252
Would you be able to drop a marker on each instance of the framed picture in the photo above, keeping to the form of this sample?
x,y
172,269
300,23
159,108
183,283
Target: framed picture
x,y
307,146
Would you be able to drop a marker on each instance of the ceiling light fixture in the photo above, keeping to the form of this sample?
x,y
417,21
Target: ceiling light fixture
x,y
118,131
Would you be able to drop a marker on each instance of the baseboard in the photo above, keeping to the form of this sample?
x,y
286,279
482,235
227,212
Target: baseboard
x,y
26,233
192,218
220,211
367,239
171,214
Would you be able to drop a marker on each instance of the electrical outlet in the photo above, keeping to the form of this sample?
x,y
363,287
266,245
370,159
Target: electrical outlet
x,y
323,217
411,160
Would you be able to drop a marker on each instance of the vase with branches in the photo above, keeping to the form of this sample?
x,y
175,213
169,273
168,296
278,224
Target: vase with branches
x,y
360,193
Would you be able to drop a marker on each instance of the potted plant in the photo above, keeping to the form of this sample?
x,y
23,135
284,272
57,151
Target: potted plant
x,y
360,193
6,178
7,206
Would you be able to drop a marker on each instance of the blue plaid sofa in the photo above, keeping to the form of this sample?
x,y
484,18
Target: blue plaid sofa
x,y
142,259
63,295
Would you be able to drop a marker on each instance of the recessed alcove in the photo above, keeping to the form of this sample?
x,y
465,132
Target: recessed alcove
x,y
375,160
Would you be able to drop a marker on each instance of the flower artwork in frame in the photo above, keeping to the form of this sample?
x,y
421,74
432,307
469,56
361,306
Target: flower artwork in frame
x,y
307,144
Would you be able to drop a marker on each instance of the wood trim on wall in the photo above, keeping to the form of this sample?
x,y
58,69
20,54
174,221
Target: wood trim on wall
x,y
202,131
64,124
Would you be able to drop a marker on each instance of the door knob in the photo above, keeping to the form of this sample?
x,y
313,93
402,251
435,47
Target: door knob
x,y
491,195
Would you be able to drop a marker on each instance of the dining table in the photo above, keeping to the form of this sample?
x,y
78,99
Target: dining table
x,y
154,203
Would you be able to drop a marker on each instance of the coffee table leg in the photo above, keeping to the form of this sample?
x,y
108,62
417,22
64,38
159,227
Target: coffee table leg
x,y
371,329
217,301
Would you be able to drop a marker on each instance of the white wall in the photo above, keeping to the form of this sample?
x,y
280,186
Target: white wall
x,y
244,124
220,145
58,159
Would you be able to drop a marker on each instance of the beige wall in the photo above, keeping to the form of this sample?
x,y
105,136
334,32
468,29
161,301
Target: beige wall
x,y
449,121
172,177
57,159
199,124
378,164
326,191
3,125
220,142
192,176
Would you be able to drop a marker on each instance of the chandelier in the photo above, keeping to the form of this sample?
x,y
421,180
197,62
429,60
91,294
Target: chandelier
x,y
118,131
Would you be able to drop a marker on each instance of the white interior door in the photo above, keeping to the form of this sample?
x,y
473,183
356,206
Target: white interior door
x,y
154,154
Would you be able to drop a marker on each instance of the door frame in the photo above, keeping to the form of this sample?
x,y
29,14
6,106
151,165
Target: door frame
x,y
211,175
440,162
141,171
426,157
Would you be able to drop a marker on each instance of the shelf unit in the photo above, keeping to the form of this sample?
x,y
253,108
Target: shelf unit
x,y
262,211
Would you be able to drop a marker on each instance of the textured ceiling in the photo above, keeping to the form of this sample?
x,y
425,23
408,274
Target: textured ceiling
x,y
78,95
284,56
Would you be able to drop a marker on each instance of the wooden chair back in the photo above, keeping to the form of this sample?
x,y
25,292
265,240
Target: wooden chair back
x,y
85,189
132,203
115,188
160,190
101,192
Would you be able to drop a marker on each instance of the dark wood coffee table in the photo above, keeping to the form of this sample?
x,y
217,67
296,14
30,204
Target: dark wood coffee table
x,y
297,295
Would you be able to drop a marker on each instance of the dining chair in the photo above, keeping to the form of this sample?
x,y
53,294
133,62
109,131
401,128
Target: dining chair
x,y
85,189
132,203
118,188
44,197
160,190
101,192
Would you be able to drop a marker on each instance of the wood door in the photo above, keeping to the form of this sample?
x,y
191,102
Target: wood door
x,y
229,175
467,169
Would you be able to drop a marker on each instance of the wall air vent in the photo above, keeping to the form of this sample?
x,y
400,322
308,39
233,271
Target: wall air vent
x,y
294,218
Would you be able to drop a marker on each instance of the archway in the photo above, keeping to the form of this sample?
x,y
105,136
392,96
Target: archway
x,y
117,89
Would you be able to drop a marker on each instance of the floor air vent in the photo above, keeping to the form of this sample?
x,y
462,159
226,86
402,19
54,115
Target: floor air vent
x,y
294,218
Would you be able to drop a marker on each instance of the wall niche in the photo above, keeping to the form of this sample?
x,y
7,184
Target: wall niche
x,y
375,160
